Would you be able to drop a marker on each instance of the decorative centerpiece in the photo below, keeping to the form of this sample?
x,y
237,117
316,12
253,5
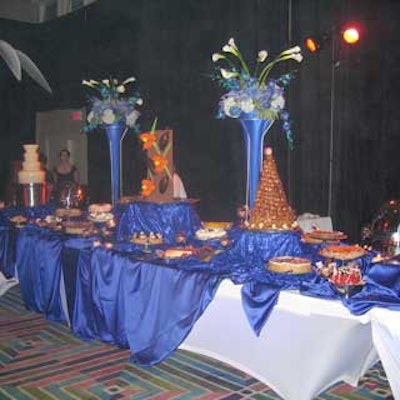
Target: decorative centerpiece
x,y
32,177
158,184
255,100
114,113
271,211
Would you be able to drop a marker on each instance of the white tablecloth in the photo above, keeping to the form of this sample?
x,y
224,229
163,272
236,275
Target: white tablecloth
x,y
307,344
386,337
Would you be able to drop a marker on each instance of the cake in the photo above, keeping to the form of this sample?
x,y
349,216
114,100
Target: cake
x,y
78,227
68,212
290,265
100,208
177,252
343,252
147,239
271,210
32,171
210,233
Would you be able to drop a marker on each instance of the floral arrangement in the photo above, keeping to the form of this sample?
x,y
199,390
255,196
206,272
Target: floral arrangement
x,y
112,106
157,163
252,95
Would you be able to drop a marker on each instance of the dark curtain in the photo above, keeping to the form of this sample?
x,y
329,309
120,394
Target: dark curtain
x,y
348,167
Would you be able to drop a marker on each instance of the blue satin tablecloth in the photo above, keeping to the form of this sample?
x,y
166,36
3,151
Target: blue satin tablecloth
x,y
147,307
134,299
168,219
38,259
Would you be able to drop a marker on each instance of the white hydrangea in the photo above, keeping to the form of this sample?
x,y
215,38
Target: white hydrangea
x,y
132,117
229,102
247,105
278,103
108,116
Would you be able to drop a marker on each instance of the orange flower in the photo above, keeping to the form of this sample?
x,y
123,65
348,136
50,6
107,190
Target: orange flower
x,y
148,139
160,163
148,187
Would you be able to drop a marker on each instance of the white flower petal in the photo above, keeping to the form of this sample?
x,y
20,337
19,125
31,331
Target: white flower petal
x,y
228,74
216,57
262,55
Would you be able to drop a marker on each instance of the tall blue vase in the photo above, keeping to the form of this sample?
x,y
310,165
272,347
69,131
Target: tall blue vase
x,y
254,131
115,133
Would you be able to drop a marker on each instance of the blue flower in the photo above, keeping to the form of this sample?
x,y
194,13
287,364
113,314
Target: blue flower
x,y
253,95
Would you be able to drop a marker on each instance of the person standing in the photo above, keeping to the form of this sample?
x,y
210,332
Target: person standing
x,y
64,173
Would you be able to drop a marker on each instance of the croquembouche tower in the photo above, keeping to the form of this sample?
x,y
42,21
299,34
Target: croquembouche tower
x,y
271,210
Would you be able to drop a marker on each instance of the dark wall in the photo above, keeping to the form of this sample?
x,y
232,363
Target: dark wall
x,y
167,45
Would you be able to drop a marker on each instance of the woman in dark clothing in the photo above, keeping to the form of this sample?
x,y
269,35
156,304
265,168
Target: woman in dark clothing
x,y
65,173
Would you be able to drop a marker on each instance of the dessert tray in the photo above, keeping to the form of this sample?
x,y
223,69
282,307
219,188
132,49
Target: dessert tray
x,y
18,220
210,233
325,236
345,252
204,253
289,265
100,217
78,227
68,212
347,280
144,239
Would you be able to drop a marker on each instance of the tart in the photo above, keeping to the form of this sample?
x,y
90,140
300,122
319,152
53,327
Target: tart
x,y
343,252
290,265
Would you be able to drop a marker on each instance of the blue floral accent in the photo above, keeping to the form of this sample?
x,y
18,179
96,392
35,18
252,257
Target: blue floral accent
x,y
253,96
112,107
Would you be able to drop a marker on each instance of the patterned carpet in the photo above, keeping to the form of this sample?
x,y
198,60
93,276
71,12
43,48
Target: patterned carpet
x,y
43,360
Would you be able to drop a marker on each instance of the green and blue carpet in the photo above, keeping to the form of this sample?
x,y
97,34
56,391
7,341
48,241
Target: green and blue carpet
x,y
43,360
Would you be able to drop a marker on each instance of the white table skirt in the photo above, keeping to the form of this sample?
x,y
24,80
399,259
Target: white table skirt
x,y
386,337
307,344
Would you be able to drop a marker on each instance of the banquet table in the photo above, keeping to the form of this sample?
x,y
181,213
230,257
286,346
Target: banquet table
x,y
307,345
293,333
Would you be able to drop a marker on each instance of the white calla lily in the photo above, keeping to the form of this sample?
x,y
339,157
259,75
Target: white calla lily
x,y
262,55
228,74
129,80
217,56
121,89
292,50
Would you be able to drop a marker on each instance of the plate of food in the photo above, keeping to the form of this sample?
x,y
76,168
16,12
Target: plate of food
x,y
322,235
210,233
101,217
343,252
347,280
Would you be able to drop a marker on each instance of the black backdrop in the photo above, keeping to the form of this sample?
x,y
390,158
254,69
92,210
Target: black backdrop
x,y
349,170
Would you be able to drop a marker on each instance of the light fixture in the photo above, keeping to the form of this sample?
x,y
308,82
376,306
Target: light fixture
x,y
351,35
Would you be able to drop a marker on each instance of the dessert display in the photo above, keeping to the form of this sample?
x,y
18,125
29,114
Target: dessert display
x,y
210,233
78,227
32,171
344,252
271,209
176,252
100,212
347,279
18,219
50,221
329,236
99,208
290,265
217,225
203,253
147,239
68,212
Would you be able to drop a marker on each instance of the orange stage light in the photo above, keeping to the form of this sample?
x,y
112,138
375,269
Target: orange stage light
x,y
351,35
311,44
